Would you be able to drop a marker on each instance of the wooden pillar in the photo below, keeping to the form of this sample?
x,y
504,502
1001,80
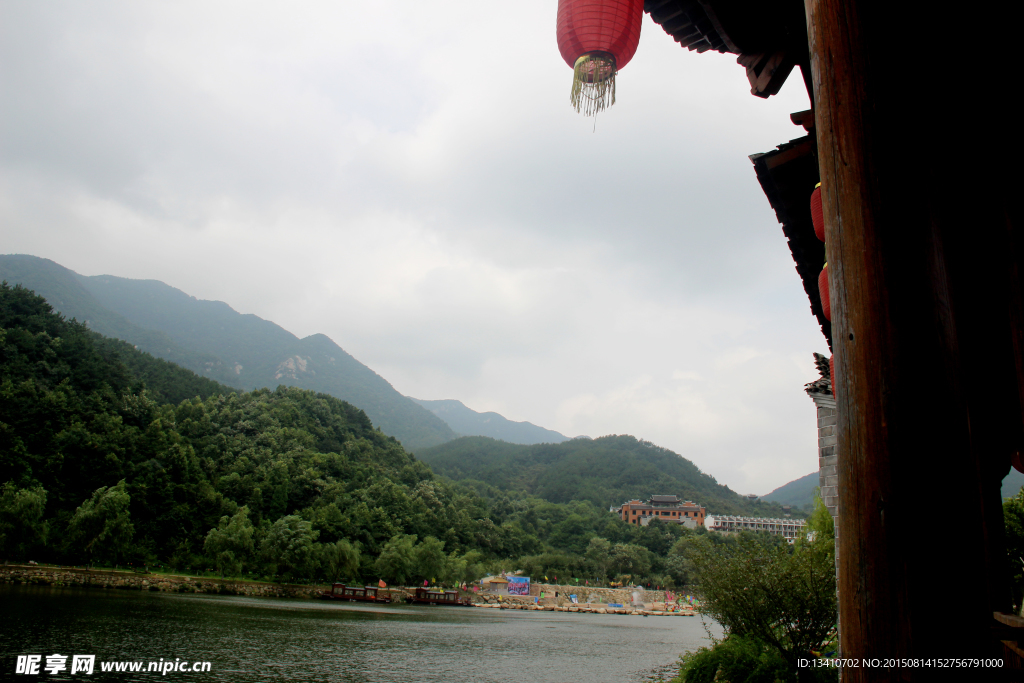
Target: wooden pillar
x,y
916,207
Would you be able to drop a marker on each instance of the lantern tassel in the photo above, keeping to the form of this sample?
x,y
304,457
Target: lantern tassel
x,y
593,83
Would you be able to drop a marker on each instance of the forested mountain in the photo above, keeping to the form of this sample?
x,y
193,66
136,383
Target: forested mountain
x,y
86,419
468,422
213,340
605,471
108,454
799,493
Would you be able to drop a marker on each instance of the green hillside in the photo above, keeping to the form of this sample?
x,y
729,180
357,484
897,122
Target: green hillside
x,y
81,413
468,422
63,290
215,341
798,493
606,471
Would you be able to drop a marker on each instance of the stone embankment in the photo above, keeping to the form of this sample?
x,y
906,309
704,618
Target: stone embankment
x,y
657,609
653,601
595,594
591,600
170,583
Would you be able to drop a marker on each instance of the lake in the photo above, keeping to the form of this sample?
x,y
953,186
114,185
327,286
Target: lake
x,y
265,639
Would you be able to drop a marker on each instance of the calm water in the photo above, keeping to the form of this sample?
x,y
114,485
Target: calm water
x,y
260,639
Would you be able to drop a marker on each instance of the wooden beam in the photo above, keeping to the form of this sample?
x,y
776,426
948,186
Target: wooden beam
x,y
766,76
803,118
920,284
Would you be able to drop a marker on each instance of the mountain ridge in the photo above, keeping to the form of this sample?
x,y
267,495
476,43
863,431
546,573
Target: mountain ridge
x,y
210,338
468,422
605,471
798,493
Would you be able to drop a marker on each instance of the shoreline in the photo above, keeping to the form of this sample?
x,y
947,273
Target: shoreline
x,y
36,575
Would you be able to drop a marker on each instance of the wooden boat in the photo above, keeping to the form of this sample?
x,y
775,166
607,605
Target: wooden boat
x,y
425,596
340,591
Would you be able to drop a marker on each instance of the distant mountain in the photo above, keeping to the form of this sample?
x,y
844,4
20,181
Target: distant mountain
x,y
798,493
215,341
468,422
606,471
1012,483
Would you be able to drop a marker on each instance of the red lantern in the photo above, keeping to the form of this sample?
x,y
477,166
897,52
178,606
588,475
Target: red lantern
x,y
826,303
832,373
817,215
597,38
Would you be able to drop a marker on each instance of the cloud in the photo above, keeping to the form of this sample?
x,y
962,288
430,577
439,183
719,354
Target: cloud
x,y
409,179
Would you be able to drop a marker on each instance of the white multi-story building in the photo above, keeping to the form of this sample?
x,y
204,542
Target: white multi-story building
x,y
789,528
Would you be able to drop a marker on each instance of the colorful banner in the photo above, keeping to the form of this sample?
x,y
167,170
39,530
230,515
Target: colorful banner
x,y
519,585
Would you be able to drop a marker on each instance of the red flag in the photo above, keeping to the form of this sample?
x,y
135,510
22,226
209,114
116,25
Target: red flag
x,y
381,583
425,582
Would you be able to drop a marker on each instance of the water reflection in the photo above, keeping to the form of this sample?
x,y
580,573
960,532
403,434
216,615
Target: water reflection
x,y
259,639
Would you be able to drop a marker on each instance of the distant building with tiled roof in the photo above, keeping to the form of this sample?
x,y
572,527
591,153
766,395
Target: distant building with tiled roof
x,y
665,508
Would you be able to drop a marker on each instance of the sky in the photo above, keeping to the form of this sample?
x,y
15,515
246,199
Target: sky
x,y
410,179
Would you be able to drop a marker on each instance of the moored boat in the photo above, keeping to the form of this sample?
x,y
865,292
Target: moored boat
x,y
425,596
340,591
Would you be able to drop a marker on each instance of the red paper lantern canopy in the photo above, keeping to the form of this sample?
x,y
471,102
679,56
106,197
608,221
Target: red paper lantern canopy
x,y
597,38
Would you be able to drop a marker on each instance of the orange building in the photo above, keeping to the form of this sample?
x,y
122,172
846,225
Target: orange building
x,y
665,508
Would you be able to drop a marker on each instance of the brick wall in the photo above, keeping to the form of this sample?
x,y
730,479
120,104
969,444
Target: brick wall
x,y
828,458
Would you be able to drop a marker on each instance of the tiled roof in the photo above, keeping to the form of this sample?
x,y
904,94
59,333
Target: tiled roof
x,y
822,385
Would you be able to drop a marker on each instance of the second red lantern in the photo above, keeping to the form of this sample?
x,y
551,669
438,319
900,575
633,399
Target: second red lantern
x,y
597,38
826,300
817,215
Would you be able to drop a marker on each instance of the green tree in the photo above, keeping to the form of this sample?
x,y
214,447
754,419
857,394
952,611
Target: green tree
x,y
430,558
781,596
397,562
340,558
21,519
289,547
820,523
454,569
630,560
1013,516
466,568
101,526
677,564
599,555
230,544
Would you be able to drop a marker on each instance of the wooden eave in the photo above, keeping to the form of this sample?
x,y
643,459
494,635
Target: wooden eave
x,y
788,176
769,38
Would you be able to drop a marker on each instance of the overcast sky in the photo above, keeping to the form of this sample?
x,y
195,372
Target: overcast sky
x,y
409,178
